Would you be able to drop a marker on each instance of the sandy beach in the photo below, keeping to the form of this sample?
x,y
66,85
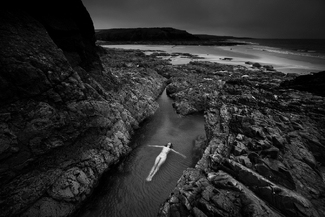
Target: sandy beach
x,y
283,62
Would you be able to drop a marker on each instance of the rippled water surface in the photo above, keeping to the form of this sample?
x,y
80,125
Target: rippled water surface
x,y
126,192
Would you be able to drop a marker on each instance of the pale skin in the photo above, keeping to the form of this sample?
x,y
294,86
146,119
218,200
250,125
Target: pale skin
x,y
161,158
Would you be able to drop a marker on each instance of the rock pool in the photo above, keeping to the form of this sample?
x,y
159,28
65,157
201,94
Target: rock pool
x,y
125,192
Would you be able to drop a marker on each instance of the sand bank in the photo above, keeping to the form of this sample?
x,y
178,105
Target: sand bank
x,y
284,62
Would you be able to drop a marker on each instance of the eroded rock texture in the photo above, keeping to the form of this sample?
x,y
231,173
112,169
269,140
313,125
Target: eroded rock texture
x,y
266,144
65,115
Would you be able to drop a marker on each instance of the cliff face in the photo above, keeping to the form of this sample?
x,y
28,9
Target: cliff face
x,y
66,115
69,25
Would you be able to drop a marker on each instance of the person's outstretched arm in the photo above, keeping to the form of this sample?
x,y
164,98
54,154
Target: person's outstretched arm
x,y
158,146
178,153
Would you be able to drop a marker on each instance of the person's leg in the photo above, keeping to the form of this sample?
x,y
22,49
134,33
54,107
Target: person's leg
x,y
159,161
158,158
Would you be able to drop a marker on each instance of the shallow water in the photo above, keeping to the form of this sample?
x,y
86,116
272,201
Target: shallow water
x,y
126,192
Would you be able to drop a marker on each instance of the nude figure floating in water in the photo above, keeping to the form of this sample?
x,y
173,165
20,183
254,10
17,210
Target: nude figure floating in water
x,y
161,158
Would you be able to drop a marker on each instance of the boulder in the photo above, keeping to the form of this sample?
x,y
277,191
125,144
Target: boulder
x,y
313,82
239,149
269,67
272,152
257,65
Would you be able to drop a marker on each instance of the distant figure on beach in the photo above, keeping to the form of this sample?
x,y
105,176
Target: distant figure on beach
x,y
161,158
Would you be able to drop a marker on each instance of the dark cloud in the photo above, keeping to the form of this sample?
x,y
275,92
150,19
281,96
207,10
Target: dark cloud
x,y
255,18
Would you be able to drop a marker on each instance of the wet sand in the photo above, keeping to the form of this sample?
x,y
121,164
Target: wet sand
x,y
283,62
287,63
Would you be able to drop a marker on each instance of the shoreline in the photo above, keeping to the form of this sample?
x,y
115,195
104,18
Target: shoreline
x,y
286,63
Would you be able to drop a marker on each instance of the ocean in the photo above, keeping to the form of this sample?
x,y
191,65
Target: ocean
x,y
301,47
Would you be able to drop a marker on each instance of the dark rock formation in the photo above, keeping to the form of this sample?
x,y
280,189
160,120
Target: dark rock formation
x,y
69,25
265,144
71,28
313,83
259,66
226,58
66,116
200,145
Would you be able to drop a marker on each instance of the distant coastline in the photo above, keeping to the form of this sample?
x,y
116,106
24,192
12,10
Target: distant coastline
x,y
300,56
162,36
172,36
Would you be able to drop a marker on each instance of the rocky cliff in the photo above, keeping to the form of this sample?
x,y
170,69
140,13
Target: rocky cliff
x,y
265,144
67,109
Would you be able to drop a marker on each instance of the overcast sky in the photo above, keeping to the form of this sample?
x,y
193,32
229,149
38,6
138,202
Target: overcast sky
x,y
251,18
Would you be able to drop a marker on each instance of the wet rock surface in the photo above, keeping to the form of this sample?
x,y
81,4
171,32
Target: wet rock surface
x,y
64,123
266,144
